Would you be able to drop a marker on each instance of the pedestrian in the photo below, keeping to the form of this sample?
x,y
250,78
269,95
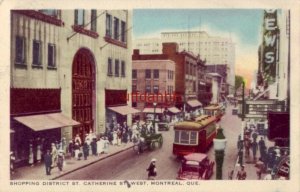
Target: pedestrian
x,y
254,146
241,175
78,139
262,146
247,147
48,162
60,160
259,168
38,150
85,149
31,157
53,154
106,145
12,162
94,147
240,156
115,138
152,172
63,145
125,137
99,146
130,134
230,174
77,151
71,149
119,136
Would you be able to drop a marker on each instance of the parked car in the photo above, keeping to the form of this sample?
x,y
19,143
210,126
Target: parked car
x,y
195,166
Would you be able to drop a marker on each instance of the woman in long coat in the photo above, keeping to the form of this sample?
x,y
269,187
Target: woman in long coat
x,y
53,154
85,150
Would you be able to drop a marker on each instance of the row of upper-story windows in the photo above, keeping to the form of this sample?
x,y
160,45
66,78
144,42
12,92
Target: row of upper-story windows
x,y
148,73
115,28
37,50
113,67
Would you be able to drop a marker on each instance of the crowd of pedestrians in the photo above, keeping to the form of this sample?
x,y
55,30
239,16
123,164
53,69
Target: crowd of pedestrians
x,y
266,161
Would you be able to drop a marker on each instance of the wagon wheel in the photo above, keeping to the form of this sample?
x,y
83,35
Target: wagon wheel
x,y
160,141
152,145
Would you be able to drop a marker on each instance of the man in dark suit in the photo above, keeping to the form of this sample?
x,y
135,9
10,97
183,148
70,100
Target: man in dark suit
x,y
48,162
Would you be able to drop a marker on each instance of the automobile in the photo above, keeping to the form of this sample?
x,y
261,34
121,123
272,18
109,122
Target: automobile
x,y
163,126
195,166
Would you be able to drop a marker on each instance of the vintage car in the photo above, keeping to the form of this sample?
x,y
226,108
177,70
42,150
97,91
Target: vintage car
x,y
163,126
195,166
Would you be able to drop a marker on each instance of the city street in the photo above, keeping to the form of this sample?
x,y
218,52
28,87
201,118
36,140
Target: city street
x,y
128,165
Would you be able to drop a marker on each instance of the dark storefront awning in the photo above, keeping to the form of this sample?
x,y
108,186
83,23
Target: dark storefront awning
x,y
46,121
151,110
194,103
124,110
174,110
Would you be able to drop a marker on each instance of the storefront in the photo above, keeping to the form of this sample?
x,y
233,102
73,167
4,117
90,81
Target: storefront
x,y
36,120
117,109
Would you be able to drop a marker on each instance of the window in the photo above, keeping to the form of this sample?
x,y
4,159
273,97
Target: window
x,y
108,25
116,28
50,12
51,55
20,50
116,68
109,67
79,17
148,89
186,137
156,74
94,20
36,53
123,68
134,74
155,89
134,88
148,74
123,31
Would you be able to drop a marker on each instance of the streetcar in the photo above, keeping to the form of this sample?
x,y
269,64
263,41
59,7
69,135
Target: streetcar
x,y
214,110
194,136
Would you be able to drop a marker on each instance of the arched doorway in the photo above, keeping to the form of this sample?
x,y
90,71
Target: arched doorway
x,y
83,92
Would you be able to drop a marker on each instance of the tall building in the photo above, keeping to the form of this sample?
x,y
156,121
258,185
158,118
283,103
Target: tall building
x,y
214,50
65,64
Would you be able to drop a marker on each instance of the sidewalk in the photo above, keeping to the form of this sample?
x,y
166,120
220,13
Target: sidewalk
x,y
250,165
38,172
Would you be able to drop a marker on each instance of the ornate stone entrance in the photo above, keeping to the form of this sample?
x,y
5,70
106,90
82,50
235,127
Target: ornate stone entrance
x,y
83,92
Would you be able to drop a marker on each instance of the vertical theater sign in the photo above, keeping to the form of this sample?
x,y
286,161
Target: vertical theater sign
x,y
270,46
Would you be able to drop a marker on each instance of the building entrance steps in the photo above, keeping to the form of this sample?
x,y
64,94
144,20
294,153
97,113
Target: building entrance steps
x,y
38,171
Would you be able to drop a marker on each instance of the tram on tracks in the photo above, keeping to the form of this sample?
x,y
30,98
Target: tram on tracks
x,y
194,136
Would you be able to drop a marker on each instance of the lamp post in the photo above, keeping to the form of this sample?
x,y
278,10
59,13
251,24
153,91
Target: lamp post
x,y
153,123
242,126
219,147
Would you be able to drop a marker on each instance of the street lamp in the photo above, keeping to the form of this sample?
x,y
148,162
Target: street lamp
x,y
153,123
219,147
243,125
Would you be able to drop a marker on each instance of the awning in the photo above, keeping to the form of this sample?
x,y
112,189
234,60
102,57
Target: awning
x,y
124,110
174,110
46,121
194,103
151,110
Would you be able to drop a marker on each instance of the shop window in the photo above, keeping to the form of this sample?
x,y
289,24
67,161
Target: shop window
x,y
116,28
109,67
108,32
94,20
51,55
117,68
134,74
79,17
20,50
36,53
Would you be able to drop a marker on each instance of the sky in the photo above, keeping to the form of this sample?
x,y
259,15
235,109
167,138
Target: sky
x,y
244,26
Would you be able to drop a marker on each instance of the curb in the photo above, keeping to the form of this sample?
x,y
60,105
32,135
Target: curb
x,y
88,164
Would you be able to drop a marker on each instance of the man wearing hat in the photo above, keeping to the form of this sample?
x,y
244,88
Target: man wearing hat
x,y
48,162
152,170
60,159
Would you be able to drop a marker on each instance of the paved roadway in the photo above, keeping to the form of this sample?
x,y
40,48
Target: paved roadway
x,y
128,165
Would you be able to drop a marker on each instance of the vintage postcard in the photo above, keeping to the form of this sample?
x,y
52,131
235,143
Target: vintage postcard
x,y
149,96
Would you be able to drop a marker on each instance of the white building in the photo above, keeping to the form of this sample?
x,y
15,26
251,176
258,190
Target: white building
x,y
73,62
216,50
